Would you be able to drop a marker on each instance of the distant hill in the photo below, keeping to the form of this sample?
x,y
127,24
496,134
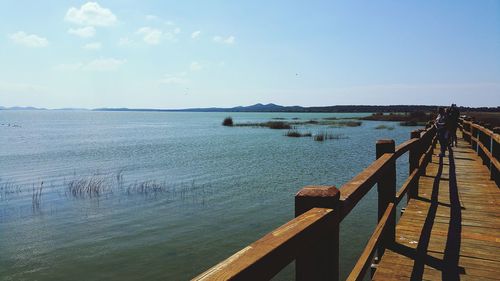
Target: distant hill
x,y
271,107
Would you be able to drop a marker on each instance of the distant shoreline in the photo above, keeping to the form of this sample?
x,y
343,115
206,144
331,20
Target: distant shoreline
x,y
285,109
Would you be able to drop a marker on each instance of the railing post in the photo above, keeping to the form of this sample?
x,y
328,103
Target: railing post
x,y
414,157
466,126
386,187
495,152
473,135
321,260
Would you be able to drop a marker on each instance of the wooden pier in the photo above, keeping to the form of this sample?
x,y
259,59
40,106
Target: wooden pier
x,y
450,228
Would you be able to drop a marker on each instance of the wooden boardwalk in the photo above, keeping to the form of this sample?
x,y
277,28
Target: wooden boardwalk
x,y
451,231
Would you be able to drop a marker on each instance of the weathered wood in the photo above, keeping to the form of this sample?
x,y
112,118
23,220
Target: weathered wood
x,y
376,239
451,230
321,260
414,158
267,256
354,190
386,187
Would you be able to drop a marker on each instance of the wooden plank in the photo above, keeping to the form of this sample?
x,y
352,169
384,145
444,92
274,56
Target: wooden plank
x,y
452,228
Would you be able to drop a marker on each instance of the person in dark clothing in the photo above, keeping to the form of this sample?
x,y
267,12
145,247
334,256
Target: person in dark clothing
x,y
442,131
453,116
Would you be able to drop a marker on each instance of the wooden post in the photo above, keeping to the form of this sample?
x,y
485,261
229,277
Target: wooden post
x,y
495,152
414,157
473,135
386,187
467,129
321,261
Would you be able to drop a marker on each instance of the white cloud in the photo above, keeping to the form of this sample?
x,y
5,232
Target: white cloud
x,y
91,14
196,34
29,40
150,35
179,78
84,32
124,41
108,64
195,66
92,46
69,66
102,64
172,79
151,17
228,40
177,30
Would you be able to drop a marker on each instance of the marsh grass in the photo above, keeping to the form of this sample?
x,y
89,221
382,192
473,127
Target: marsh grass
x,y
277,125
384,127
297,134
8,188
36,197
147,188
88,187
325,135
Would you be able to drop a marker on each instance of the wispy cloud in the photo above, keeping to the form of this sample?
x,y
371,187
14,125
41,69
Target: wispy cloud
x,y
91,13
105,64
102,64
174,79
29,40
225,40
196,34
150,35
195,66
92,46
84,32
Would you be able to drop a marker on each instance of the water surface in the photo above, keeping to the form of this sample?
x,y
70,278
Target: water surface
x,y
218,189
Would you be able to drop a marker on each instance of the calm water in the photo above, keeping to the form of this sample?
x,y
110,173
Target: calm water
x,y
178,191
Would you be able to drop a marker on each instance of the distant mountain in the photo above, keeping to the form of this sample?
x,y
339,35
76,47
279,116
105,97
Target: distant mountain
x,y
271,107
21,108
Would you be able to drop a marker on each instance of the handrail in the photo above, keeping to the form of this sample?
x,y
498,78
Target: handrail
x,y
487,144
359,270
267,256
272,251
355,189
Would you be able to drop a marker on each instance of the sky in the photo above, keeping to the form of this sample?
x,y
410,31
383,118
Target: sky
x,y
182,54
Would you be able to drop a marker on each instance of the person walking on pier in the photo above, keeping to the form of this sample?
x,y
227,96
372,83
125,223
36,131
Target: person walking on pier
x,y
453,115
442,131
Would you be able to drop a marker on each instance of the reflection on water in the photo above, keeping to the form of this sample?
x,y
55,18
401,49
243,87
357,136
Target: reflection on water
x,y
136,195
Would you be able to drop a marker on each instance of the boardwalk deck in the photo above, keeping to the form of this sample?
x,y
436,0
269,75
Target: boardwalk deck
x,y
451,231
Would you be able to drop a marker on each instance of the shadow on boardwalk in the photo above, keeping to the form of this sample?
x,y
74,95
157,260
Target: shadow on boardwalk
x,y
448,266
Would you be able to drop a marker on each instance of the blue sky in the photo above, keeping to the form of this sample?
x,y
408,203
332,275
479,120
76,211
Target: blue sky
x,y
177,54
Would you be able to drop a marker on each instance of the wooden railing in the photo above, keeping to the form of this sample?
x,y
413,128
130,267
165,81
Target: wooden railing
x,y
312,237
485,142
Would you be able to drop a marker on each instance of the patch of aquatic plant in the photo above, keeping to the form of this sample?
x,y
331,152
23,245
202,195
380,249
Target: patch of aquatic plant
x,y
228,121
36,197
8,188
324,135
147,188
384,127
297,134
88,187
279,125
278,118
348,123
412,123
